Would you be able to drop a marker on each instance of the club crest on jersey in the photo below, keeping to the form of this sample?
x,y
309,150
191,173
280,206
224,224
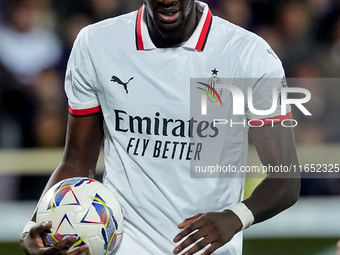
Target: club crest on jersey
x,y
214,94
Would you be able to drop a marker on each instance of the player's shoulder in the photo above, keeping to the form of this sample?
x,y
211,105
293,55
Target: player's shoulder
x,y
115,25
245,44
229,32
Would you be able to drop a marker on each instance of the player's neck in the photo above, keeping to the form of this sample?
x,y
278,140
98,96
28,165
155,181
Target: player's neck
x,y
177,37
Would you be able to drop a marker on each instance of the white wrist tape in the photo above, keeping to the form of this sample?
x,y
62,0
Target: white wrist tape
x,y
28,226
244,214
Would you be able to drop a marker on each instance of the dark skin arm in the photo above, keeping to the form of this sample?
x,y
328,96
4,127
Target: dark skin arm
x,y
83,144
275,146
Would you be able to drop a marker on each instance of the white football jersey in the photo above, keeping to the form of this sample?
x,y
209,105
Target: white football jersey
x,y
152,138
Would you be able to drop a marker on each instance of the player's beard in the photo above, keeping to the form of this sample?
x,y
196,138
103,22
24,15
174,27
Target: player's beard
x,y
175,35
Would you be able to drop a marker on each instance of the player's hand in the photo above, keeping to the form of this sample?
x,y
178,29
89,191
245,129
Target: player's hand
x,y
213,229
33,244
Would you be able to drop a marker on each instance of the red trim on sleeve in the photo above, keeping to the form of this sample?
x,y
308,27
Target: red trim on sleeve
x,y
270,120
204,33
139,39
84,112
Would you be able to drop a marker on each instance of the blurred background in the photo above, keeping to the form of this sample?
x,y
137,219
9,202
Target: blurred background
x,y
36,37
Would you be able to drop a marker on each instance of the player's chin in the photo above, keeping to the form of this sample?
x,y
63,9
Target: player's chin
x,y
170,31
169,28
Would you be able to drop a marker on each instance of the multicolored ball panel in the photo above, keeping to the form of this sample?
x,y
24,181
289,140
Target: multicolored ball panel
x,y
84,208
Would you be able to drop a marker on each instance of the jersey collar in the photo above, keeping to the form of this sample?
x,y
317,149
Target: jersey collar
x,y
196,42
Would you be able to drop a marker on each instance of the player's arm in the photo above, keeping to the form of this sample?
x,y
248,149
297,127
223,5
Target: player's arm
x,y
83,143
275,146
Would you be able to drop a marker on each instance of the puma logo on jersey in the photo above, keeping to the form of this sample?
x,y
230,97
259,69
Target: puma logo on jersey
x,y
124,84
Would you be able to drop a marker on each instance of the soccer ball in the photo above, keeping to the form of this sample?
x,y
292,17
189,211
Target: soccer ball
x,y
84,208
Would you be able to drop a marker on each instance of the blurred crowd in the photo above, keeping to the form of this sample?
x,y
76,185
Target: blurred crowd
x,y
36,37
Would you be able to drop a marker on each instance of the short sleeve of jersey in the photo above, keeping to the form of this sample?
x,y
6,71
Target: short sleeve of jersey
x,y
266,79
79,85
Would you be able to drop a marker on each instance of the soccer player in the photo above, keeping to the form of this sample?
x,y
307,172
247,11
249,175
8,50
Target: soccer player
x,y
128,84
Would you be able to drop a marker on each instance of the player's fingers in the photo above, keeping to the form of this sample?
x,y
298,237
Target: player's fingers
x,y
67,243
198,222
197,247
187,242
204,233
186,231
37,230
213,247
62,246
189,221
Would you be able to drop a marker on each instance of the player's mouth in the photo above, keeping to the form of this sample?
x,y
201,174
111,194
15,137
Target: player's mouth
x,y
168,17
